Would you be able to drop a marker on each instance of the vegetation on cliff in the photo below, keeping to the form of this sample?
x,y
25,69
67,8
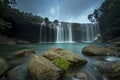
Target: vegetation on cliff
x,y
108,18
10,16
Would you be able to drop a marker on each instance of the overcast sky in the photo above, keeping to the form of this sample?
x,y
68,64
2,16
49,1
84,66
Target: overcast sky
x,y
62,10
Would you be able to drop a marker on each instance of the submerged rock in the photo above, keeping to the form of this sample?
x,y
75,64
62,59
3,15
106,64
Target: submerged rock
x,y
61,53
110,69
94,50
3,66
43,69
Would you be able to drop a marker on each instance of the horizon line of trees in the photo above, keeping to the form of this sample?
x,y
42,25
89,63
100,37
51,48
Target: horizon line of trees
x,y
10,16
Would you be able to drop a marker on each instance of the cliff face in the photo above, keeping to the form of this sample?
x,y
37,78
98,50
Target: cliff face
x,y
27,32
109,33
51,33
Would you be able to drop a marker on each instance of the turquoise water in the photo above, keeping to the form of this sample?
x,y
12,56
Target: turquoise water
x,y
76,48
41,47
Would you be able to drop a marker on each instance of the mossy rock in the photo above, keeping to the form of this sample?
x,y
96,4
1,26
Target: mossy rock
x,y
3,66
63,63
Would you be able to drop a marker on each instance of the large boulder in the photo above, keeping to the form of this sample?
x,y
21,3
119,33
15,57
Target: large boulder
x,y
43,69
3,66
52,64
54,53
110,69
94,50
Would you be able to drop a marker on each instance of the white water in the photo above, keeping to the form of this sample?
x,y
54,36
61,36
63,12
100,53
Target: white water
x,y
90,32
43,25
63,32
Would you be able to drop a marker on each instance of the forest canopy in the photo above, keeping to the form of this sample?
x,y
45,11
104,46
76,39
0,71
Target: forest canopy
x,y
108,18
9,14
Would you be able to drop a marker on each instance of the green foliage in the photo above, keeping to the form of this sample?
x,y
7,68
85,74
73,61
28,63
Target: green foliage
x,y
4,26
62,63
5,5
108,17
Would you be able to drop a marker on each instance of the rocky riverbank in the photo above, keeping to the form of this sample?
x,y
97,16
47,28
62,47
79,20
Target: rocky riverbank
x,y
4,40
109,68
51,65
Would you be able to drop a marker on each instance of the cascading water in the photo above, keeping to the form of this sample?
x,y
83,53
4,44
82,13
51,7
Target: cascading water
x,y
90,32
66,32
42,25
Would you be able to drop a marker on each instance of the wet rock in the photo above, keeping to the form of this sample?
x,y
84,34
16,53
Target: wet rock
x,y
117,49
18,61
81,76
19,73
5,40
43,69
94,50
52,64
22,42
61,53
3,66
110,69
115,44
23,53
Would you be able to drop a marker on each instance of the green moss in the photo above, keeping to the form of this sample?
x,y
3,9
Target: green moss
x,y
62,63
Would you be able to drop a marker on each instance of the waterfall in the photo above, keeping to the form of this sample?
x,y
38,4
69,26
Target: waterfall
x,y
90,32
43,31
66,32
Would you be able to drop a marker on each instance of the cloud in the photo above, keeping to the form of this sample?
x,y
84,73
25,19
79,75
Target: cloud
x,y
63,10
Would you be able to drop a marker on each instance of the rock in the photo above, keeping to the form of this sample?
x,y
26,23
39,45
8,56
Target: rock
x,y
14,62
43,69
61,53
80,76
19,73
114,40
23,53
3,66
22,42
115,44
110,69
52,64
117,49
6,40
94,50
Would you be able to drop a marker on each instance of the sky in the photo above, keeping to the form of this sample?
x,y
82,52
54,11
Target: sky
x,y
62,10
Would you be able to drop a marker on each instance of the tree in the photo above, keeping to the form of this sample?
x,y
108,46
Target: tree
x,y
4,26
91,18
108,17
4,5
56,22
46,20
